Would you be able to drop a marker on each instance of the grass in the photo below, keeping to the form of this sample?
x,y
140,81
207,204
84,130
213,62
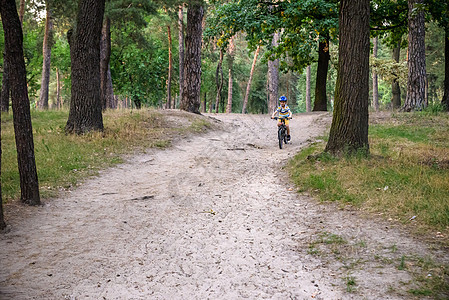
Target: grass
x,y
63,161
404,178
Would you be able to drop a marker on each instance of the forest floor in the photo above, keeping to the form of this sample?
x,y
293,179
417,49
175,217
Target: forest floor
x,y
214,216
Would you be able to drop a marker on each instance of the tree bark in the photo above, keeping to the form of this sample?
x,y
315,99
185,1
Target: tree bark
x,y
105,56
273,78
445,100
85,106
349,129
320,103
170,67
23,130
219,80
416,82
375,83
181,49
21,11
231,51
4,104
308,98
248,86
192,67
46,53
395,88
58,90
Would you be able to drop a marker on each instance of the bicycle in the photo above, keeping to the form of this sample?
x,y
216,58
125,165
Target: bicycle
x,y
282,132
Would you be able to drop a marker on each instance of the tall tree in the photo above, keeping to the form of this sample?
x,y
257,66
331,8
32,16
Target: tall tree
x,y
105,55
231,51
445,100
219,80
248,86
416,82
320,103
46,50
5,92
308,100
375,82
181,48
395,88
2,219
170,67
192,66
23,130
349,129
85,105
273,77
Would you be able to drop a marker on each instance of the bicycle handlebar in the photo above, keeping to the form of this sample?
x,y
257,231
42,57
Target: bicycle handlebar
x,y
276,118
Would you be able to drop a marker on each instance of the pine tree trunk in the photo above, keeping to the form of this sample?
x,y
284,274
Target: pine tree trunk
x,y
4,104
416,82
181,48
375,83
231,49
85,106
445,101
29,185
219,81
46,53
170,67
192,67
273,78
395,88
320,103
105,55
349,129
58,90
308,98
248,86
112,100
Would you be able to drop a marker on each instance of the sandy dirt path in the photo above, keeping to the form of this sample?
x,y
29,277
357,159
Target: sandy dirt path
x,y
212,217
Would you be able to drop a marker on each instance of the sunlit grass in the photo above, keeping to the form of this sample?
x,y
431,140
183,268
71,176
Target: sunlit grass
x,y
406,176
64,160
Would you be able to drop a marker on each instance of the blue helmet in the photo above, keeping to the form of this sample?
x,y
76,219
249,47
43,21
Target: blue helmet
x,y
283,98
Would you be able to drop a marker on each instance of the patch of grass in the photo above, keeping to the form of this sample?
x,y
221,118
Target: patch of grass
x,y
404,178
350,284
64,160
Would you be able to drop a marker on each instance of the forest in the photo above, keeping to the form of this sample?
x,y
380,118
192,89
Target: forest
x,y
176,97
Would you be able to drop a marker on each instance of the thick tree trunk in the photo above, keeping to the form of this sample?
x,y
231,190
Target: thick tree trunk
x,y
445,101
29,185
320,103
219,81
416,82
85,105
273,78
395,88
248,86
46,53
231,51
308,98
4,104
181,48
375,83
170,67
105,56
192,67
349,129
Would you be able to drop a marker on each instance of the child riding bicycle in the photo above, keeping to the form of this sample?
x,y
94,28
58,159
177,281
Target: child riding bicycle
x,y
283,112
